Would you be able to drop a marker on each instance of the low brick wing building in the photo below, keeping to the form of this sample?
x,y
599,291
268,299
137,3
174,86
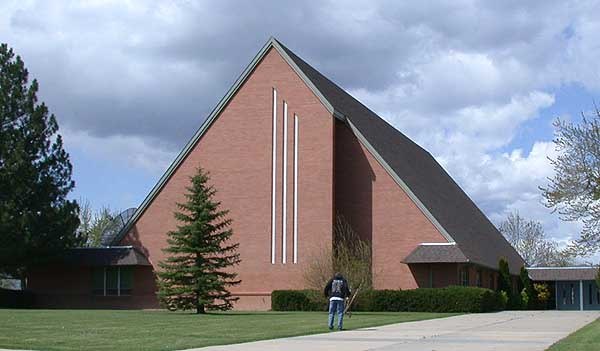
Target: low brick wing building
x,y
287,150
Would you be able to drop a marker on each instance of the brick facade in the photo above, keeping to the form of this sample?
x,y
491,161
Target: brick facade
x,y
237,151
380,211
336,174
68,286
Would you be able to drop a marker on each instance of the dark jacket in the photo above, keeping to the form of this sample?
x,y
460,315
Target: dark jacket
x,y
337,287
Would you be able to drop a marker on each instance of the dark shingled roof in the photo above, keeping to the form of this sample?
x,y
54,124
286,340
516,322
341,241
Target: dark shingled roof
x,y
428,253
415,170
105,256
475,235
562,273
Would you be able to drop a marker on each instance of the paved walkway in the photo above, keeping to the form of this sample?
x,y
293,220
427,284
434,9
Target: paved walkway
x,y
511,330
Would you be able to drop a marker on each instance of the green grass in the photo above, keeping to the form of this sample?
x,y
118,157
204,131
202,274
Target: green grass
x,y
162,330
585,339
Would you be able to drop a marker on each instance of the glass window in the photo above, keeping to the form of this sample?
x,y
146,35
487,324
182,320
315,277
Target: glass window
x,y
572,300
464,276
112,281
126,280
98,281
478,278
590,291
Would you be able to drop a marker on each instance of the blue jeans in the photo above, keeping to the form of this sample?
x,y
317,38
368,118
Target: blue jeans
x,y
336,306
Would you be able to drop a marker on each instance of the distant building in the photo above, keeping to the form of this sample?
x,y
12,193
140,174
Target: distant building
x,y
287,150
572,288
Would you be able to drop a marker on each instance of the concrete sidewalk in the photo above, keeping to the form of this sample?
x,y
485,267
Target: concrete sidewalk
x,y
511,330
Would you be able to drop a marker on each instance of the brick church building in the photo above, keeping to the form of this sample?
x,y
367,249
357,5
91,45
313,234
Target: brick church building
x,y
287,150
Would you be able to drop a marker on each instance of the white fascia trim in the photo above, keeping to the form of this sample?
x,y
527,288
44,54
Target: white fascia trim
x,y
400,182
274,180
438,244
271,43
571,267
284,207
203,128
295,188
103,247
304,78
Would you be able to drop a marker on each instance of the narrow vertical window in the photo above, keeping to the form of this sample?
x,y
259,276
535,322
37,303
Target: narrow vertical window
x,y
274,179
284,207
464,276
295,188
572,300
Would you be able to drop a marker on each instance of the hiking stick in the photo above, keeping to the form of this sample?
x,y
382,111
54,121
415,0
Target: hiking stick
x,y
349,305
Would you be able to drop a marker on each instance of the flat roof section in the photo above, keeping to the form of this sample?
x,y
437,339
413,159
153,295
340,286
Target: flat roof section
x,y
562,273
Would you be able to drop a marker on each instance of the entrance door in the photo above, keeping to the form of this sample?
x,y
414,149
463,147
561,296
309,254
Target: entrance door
x,y
567,295
591,295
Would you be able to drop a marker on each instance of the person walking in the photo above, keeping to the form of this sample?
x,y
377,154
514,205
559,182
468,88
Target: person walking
x,y
336,290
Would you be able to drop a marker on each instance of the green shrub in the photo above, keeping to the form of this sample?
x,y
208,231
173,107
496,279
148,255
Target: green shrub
x,y
450,299
298,300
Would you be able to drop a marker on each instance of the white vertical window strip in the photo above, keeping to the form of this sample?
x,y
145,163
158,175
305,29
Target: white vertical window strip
x,y
274,180
284,207
295,188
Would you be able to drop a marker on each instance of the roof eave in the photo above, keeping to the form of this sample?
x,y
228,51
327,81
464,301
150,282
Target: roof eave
x,y
400,182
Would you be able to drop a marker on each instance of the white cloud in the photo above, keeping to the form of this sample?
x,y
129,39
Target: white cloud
x,y
461,78
122,150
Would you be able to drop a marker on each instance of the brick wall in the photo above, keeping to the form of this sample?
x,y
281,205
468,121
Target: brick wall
x,y
237,151
67,286
379,210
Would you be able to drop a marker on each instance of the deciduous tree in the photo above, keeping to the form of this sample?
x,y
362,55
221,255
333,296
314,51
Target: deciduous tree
x,y
529,239
574,191
94,223
350,255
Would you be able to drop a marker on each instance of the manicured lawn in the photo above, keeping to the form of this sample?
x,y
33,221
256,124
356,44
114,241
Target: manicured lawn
x,y
585,339
162,330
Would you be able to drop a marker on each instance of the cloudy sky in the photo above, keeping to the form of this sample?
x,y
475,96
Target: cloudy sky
x,y
478,84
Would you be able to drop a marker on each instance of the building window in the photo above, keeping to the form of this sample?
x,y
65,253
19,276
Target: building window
x,y
430,276
112,281
464,276
492,282
591,297
478,278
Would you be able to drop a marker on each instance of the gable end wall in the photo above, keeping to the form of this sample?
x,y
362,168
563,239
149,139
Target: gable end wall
x,y
237,151
379,210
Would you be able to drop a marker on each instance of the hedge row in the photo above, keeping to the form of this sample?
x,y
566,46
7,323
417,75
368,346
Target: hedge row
x,y
450,299
16,298
298,300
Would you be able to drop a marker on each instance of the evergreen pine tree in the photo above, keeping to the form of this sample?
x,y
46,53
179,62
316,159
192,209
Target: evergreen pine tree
x,y
36,220
197,272
528,289
505,283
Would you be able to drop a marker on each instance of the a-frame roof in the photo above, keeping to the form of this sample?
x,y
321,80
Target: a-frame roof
x,y
414,169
